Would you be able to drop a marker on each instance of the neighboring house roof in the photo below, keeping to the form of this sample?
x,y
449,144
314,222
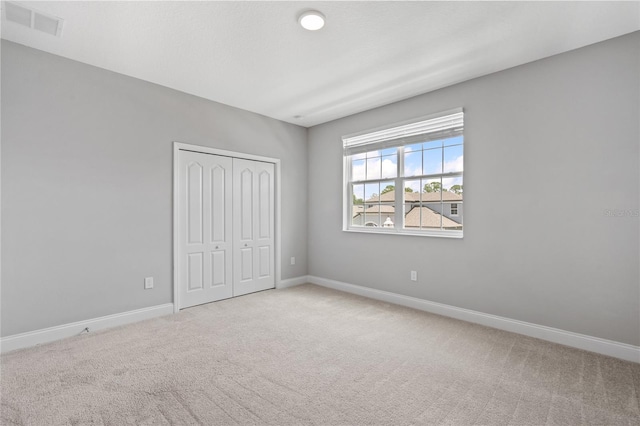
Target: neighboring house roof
x,y
429,219
382,208
414,197
378,208
357,210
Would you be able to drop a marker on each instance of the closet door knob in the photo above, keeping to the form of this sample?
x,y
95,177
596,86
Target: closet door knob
x,y
245,244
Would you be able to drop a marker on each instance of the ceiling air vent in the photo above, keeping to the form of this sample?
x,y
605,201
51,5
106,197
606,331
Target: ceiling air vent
x,y
33,19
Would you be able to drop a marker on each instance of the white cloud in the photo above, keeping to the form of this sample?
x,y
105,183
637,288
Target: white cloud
x,y
358,172
389,169
417,171
454,165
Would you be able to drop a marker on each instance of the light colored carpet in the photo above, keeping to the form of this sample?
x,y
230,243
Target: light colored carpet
x,y
309,355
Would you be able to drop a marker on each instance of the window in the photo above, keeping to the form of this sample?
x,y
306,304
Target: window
x,y
406,179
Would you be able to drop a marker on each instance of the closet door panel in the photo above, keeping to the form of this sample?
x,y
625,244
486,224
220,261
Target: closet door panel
x,y
195,273
218,268
219,193
204,228
264,262
264,226
253,233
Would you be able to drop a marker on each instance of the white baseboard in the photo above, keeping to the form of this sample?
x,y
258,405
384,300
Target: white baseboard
x,y
567,338
291,282
32,338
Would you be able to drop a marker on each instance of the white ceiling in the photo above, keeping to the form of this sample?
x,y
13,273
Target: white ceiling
x,y
255,56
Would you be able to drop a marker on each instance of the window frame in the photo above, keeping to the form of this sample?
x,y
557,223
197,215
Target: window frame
x,y
398,181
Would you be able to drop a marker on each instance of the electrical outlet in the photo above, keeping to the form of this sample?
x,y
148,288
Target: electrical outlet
x,y
414,275
293,260
148,283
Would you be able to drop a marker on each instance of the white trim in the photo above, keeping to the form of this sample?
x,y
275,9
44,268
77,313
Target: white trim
x,y
45,335
177,146
174,231
215,151
449,233
567,338
292,282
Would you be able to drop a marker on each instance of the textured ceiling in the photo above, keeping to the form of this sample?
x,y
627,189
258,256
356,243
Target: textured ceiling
x,y
254,55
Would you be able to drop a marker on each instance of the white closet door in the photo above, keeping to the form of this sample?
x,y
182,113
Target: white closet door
x,y
253,254
205,228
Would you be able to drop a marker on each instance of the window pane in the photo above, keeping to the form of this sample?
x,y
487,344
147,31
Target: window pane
x,y
358,194
411,197
387,191
357,206
431,213
452,199
453,141
432,161
452,218
431,217
358,169
432,186
358,216
373,168
412,186
389,151
424,216
453,159
387,212
371,191
412,216
372,216
389,166
413,163
453,185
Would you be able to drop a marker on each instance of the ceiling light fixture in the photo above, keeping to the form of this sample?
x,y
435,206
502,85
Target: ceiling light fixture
x,y
311,20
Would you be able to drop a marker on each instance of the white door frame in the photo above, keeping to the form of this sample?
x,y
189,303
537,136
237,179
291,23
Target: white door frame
x,y
177,146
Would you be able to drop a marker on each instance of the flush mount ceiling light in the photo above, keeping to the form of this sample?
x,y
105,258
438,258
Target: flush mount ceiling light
x,y
311,20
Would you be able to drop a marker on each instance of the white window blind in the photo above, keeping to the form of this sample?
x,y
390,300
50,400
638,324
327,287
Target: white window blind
x,y
443,126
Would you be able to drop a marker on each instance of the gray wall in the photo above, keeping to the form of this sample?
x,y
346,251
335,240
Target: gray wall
x,y
87,186
556,139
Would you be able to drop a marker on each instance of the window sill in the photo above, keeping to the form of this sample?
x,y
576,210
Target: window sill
x,y
437,234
